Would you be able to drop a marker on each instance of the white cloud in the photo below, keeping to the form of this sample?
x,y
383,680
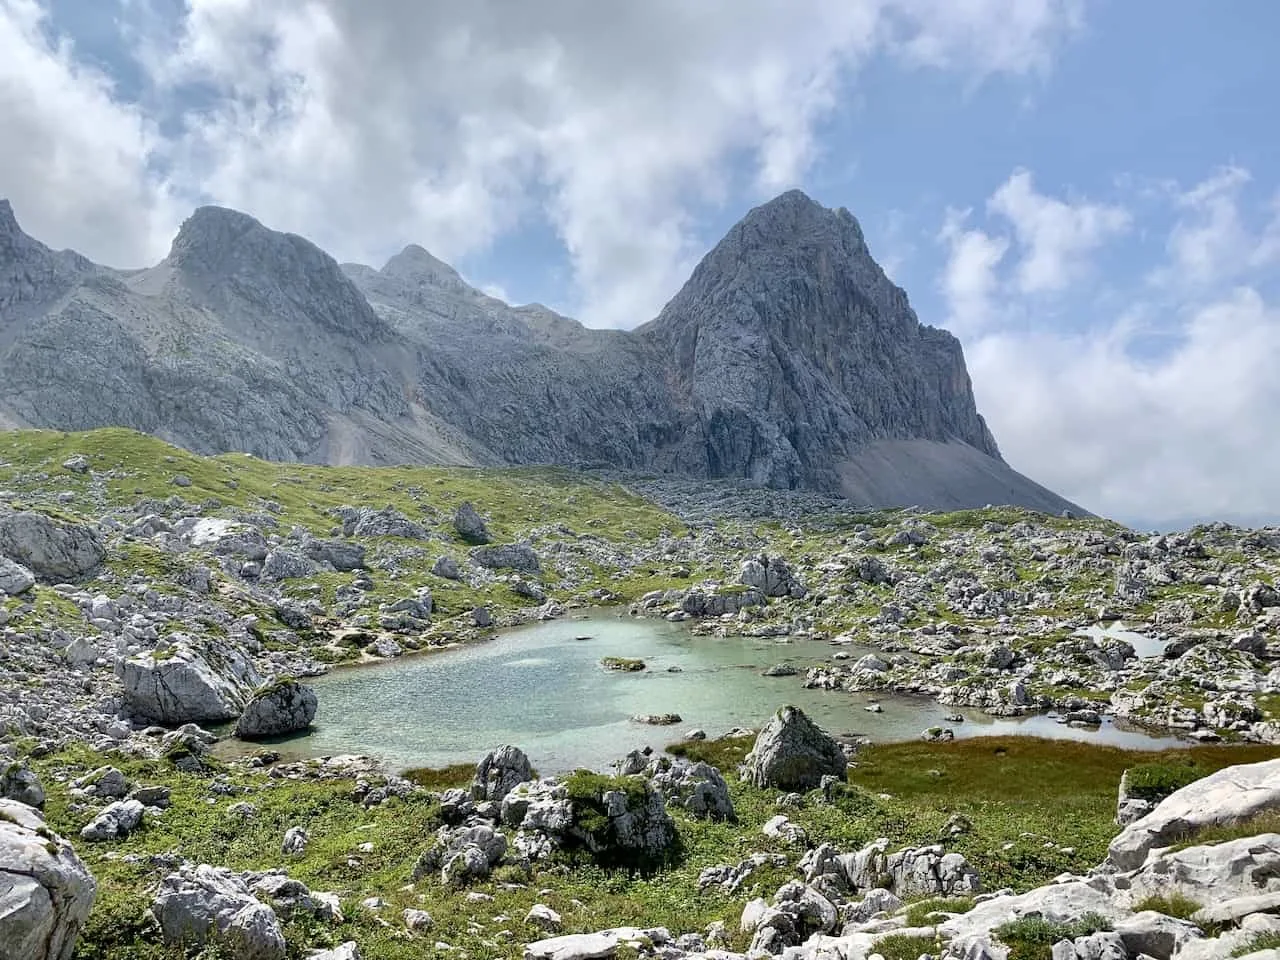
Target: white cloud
x,y
367,126
1057,235
74,159
969,281
1186,434
1211,241
1153,410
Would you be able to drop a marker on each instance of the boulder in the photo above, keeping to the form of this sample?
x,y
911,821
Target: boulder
x,y
446,567
285,706
203,905
499,772
183,681
387,522
46,892
52,549
343,555
793,753
1056,903
462,854
116,821
1208,874
345,951
912,872
618,821
772,576
469,525
18,782
282,564
509,556
696,787
14,577
1229,795
105,782
1128,807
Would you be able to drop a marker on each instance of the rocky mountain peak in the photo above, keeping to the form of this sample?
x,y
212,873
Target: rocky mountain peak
x,y
8,222
209,237
30,273
238,266
414,264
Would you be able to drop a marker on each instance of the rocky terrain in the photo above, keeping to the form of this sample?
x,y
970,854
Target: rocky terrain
x,y
788,360
153,601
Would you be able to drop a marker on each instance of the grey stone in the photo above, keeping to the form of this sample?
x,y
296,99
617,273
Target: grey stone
x,y
1232,794
447,567
46,892
15,579
469,525
285,706
116,821
198,905
51,549
20,783
499,772
510,556
188,681
793,753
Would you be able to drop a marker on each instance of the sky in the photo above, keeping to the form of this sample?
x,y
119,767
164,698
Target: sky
x,y
1086,192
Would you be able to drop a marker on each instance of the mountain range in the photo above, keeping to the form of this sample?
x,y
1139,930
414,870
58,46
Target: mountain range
x,y
789,359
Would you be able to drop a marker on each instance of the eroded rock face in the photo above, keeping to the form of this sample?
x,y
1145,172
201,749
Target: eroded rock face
x,y
46,892
51,549
697,787
793,753
285,706
212,905
1232,794
186,681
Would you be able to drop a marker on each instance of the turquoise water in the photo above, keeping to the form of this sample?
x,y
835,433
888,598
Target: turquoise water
x,y
542,688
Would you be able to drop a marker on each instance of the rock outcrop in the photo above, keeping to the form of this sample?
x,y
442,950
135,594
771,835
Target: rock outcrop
x,y
46,893
1231,795
789,359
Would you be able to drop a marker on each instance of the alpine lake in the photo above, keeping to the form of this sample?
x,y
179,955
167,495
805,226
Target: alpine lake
x,y
544,688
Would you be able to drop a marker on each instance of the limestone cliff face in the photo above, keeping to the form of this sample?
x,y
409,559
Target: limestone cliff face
x,y
788,359
790,348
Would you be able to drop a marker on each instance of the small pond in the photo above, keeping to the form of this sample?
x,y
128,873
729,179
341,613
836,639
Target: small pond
x,y
542,688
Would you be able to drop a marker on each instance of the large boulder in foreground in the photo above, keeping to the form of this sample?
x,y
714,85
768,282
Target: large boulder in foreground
x,y
51,549
211,905
45,891
183,681
793,753
285,706
1231,795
